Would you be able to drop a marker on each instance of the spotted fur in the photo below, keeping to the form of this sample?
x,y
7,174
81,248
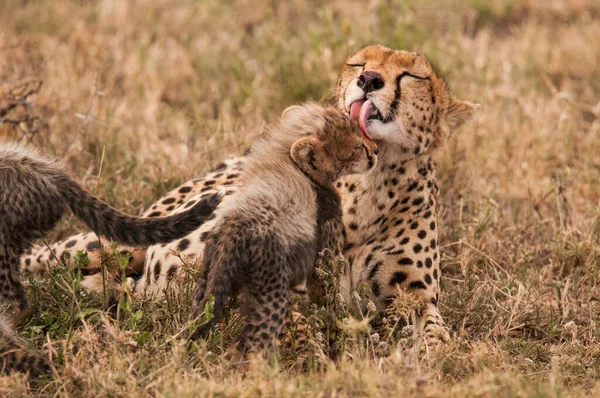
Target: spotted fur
x,y
389,215
266,240
14,356
36,191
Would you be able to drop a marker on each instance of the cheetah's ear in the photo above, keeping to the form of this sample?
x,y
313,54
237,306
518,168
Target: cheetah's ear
x,y
304,153
461,112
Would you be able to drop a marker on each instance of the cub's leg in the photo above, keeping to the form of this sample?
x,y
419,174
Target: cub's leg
x,y
12,292
16,357
330,244
265,304
14,303
199,301
215,283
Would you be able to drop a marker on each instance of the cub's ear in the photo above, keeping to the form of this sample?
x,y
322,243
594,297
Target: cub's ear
x,y
290,109
461,112
304,153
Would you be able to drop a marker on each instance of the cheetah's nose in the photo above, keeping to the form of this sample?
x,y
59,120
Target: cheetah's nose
x,y
370,81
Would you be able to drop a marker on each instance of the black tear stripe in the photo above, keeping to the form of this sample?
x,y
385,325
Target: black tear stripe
x,y
397,93
396,100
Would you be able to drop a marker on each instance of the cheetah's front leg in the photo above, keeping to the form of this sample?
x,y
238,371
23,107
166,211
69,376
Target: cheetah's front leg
x,y
431,326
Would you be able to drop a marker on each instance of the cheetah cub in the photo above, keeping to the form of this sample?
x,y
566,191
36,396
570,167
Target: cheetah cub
x,y
267,237
35,192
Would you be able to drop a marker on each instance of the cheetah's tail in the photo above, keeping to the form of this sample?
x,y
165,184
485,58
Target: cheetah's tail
x,y
136,231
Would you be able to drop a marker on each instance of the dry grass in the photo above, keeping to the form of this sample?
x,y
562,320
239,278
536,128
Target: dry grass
x,y
167,89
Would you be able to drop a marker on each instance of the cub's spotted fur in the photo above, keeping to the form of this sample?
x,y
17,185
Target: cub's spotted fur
x,y
389,214
35,192
267,238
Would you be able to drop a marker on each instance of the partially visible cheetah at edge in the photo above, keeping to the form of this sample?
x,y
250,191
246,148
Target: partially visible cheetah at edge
x,y
35,192
389,214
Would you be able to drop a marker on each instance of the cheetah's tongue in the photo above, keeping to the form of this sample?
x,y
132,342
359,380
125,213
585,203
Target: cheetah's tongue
x,y
366,110
361,110
355,109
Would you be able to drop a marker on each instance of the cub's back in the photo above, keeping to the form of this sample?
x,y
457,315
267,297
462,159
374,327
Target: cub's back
x,y
275,200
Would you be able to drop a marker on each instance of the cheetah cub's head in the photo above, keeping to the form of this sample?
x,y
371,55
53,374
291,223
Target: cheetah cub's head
x,y
339,148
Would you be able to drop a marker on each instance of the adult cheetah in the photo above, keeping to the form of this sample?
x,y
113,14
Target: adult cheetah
x,y
389,214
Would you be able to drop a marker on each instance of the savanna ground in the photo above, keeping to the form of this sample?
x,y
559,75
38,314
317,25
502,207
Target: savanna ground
x,y
140,96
